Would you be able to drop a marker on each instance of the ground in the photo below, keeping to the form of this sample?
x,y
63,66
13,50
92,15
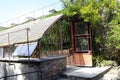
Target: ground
x,y
93,73
113,74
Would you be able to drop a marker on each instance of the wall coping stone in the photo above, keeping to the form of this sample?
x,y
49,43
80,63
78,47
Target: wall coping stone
x,y
31,60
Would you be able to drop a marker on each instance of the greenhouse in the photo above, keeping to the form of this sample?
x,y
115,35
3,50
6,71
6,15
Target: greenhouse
x,y
49,37
40,38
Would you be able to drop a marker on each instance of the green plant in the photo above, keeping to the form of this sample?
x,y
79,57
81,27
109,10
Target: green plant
x,y
100,60
104,17
97,60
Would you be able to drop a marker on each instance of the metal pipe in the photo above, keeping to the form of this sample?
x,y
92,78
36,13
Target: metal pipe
x,y
51,51
27,31
57,40
9,46
61,40
39,48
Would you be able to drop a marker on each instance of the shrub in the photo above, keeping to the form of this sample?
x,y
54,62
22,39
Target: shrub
x,y
102,61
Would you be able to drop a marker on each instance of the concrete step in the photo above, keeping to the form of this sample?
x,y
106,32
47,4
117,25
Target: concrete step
x,y
62,79
84,73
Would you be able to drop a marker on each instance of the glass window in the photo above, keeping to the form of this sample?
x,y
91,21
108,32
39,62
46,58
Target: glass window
x,y
1,52
22,49
81,44
81,34
31,49
18,49
80,28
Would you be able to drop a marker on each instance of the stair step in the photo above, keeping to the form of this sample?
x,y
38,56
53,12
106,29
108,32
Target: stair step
x,y
76,73
62,79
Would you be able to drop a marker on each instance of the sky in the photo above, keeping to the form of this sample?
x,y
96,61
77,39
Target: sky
x,y
12,8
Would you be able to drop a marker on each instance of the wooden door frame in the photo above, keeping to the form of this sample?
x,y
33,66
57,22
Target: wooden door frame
x,y
74,53
73,35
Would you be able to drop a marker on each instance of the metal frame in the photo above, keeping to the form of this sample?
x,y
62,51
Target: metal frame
x,y
8,34
59,48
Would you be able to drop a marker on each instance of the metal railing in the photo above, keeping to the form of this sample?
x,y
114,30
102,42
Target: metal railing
x,y
9,42
32,15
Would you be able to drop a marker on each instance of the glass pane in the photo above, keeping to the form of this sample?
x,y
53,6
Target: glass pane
x,y
31,49
81,44
22,49
1,52
17,50
80,28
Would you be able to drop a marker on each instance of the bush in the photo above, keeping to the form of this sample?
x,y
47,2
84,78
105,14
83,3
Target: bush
x,y
102,61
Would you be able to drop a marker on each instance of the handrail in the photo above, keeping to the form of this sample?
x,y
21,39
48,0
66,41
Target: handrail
x,y
41,12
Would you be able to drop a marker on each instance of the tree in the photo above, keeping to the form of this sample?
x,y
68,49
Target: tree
x,y
113,43
67,3
104,16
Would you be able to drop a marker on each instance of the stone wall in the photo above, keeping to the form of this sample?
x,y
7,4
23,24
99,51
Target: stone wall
x,y
35,69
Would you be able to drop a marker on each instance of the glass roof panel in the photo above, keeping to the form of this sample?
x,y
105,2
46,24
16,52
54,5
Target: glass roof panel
x,y
22,49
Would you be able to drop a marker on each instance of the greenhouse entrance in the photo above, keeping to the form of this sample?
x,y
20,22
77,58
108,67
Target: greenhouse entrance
x,y
81,43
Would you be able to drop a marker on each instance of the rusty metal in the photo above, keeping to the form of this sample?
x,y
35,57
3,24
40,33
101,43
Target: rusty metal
x,y
38,49
72,35
12,32
88,36
27,32
9,46
61,40
57,32
90,39
8,35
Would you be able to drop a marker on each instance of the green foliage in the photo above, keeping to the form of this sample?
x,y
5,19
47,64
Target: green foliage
x,y
70,8
104,16
101,60
5,28
49,40
97,60
57,37
66,34
67,3
113,39
2,29
90,12
87,9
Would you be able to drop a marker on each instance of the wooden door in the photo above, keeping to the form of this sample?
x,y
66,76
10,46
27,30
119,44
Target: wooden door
x,y
81,43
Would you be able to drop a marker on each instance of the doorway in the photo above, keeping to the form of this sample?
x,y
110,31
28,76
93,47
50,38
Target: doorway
x,y
81,43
